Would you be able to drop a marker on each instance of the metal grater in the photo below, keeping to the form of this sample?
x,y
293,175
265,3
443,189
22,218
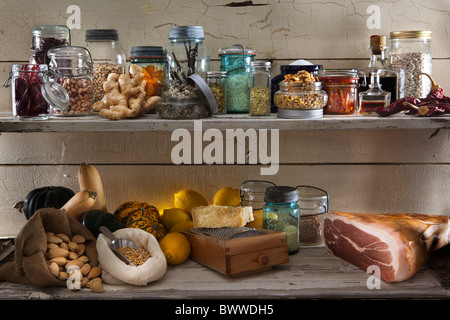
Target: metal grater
x,y
227,233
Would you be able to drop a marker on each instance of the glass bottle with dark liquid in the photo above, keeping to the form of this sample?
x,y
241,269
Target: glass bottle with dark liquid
x,y
375,97
389,78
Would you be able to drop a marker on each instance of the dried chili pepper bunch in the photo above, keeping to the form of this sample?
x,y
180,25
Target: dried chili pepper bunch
x,y
434,104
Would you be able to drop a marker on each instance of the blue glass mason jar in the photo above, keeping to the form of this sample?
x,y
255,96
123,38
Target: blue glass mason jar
x,y
281,213
236,61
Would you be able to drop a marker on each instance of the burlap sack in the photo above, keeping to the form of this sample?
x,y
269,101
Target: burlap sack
x,y
29,264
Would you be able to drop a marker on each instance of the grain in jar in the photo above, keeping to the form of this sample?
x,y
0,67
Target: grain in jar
x,y
260,83
216,82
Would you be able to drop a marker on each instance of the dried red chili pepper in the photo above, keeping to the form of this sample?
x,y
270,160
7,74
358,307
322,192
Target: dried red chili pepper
x,y
435,103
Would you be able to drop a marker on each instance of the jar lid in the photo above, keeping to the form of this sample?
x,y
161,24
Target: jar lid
x,y
264,64
237,49
51,30
186,32
201,84
216,74
291,69
281,194
410,35
147,51
55,94
299,113
70,57
101,34
338,73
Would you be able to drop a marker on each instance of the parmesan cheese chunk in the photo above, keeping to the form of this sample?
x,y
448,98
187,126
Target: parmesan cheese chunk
x,y
214,216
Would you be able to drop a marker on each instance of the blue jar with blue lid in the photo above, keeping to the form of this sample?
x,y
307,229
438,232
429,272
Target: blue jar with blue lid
x,y
281,213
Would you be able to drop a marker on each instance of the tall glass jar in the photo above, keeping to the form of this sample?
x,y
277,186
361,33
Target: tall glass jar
x,y
186,54
281,213
259,82
107,56
341,86
46,37
151,59
216,82
71,67
235,60
411,51
252,194
26,81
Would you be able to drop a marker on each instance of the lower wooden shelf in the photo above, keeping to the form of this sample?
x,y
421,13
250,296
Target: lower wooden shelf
x,y
312,273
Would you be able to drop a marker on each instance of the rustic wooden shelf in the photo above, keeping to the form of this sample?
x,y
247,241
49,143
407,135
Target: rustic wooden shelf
x,y
312,273
151,122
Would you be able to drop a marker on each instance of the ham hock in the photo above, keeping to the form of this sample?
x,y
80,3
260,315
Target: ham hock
x,y
398,243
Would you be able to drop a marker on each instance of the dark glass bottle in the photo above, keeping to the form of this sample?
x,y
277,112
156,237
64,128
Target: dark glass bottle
x,y
389,78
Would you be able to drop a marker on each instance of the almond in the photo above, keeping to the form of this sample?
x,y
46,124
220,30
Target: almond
x,y
95,284
54,269
63,237
81,249
75,262
73,246
53,239
52,245
60,261
57,253
95,272
63,275
83,259
72,255
64,245
85,269
78,239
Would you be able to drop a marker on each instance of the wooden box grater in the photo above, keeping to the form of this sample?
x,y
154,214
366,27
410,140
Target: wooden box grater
x,y
241,256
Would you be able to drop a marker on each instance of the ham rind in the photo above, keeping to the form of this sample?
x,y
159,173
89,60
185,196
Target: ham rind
x,y
399,244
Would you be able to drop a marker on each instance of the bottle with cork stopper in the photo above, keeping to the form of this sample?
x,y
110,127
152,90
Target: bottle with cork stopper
x,y
389,79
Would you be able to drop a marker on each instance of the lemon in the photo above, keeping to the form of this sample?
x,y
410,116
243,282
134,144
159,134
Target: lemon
x,y
176,247
172,216
187,199
227,196
257,220
182,226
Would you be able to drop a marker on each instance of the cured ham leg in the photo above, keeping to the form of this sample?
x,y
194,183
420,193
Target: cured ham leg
x,y
399,244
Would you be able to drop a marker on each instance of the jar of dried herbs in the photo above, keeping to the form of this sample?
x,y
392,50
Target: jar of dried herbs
x,y
216,82
235,60
259,82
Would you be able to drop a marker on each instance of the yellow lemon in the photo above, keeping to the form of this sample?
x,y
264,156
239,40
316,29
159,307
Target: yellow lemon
x,y
176,247
227,196
187,199
257,220
172,216
182,226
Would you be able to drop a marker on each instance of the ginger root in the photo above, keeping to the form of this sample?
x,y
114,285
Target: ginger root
x,y
125,96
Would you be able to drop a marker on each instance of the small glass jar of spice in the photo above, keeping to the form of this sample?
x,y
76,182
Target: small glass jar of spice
x,y
281,213
46,37
260,84
216,82
341,86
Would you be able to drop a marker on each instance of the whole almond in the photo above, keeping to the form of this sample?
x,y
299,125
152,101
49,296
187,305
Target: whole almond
x,y
72,255
73,246
57,253
85,269
78,239
63,275
54,269
81,249
95,284
64,245
52,245
84,282
63,237
83,259
75,262
60,261
54,239
95,272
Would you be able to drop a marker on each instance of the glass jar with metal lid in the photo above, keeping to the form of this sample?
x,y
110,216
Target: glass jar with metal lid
x,y
411,51
186,54
107,56
46,37
260,83
151,59
294,100
252,194
341,86
216,82
71,67
281,213
235,60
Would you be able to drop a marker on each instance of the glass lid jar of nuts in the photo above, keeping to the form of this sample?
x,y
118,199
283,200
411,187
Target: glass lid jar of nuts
x,y
300,96
71,68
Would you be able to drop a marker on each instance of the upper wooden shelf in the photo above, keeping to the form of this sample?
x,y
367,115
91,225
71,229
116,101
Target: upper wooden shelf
x,y
151,122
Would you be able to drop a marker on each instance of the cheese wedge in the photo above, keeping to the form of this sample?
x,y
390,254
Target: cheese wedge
x,y
214,216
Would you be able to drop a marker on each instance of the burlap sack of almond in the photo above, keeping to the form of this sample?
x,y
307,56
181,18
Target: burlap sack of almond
x,y
63,252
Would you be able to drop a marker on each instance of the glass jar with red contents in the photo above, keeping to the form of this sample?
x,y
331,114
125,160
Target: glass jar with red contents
x,y
26,81
341,86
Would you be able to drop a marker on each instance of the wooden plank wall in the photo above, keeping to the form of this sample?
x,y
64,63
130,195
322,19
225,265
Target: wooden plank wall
x,y
363,170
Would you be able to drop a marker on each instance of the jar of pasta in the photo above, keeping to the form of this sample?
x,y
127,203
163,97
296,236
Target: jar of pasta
x,y
341,86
